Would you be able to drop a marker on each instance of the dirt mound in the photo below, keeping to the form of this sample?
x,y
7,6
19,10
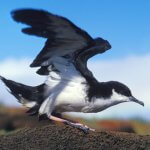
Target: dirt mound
x,y
61,137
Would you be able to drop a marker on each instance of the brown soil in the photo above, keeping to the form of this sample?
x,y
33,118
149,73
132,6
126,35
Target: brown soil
x,y
60,137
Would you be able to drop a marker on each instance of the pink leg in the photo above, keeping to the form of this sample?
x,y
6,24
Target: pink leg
x,y
82,127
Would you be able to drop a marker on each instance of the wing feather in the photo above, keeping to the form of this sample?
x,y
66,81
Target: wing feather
x,y
100,47
63,37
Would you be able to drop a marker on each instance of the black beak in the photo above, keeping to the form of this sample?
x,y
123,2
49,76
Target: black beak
x,y
133,99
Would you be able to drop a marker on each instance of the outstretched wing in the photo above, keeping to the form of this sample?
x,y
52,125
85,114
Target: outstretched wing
x,y
63,37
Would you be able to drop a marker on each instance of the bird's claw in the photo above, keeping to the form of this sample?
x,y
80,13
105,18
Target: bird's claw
x,y
79,126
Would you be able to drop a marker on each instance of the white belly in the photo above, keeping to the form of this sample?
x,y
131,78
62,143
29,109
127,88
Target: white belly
x,y
70,94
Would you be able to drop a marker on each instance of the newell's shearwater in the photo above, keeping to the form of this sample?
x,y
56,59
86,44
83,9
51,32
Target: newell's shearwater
x,y
70,86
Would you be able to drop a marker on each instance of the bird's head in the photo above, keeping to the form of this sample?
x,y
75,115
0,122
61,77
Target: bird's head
x,y
121,93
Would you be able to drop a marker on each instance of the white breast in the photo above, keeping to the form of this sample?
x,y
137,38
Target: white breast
x,y
70,94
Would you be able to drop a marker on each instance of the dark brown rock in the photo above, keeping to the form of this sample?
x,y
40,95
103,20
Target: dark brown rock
x,y
59,137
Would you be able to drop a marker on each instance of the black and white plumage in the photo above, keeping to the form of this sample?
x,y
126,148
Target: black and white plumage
x,y
70,86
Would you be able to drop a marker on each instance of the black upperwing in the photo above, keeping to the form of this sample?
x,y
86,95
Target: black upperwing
x,y
82,57
63,37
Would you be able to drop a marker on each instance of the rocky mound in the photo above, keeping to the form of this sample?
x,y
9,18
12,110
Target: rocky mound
x,y
61,137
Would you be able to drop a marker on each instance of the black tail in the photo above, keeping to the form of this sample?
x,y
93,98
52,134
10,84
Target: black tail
x,y
29,96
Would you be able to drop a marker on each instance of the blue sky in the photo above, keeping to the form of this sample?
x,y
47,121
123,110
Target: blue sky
x,y
125,24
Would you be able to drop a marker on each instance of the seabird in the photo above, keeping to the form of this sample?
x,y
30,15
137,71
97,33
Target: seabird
x,y
69,86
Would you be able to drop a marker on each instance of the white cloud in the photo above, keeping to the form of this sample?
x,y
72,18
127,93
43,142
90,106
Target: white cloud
x,y
133,71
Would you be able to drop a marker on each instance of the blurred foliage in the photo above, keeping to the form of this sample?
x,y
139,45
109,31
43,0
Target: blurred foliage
x,y
12,119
